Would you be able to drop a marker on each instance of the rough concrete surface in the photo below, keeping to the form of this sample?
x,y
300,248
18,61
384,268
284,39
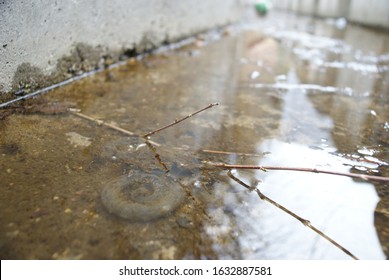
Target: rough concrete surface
x,y
372,13
43,42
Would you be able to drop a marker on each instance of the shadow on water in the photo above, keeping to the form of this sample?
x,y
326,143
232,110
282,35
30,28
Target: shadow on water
x,y
292,92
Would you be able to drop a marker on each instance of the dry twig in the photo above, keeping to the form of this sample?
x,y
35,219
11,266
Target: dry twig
x,y
229,167
180,120
102,123
303,221
156,155
230,153
303,169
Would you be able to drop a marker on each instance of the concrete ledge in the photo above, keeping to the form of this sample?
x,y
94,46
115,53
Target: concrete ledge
x,y
45,42
374,13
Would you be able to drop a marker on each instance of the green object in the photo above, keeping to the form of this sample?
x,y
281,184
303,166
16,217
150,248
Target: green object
x,y
261,8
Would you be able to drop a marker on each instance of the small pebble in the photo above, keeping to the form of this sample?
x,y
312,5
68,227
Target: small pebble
x,y
68,210
184,222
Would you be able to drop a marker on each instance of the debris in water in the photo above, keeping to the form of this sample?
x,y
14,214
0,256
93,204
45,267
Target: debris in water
x,y
78,140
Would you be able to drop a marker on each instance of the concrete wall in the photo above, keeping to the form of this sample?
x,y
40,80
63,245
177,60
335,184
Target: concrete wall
x,y
333,8
44,41
372,12
307,6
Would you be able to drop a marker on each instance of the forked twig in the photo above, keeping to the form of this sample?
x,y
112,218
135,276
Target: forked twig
x,y
303,221
229,167
150,144
179,120
303,169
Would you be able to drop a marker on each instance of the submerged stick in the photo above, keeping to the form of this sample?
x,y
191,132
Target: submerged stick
x,y
156,155
102,123
150,144
180,120
230,153
303,221
302,169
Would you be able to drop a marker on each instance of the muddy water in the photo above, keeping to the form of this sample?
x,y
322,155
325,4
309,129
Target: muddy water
x,y
292,91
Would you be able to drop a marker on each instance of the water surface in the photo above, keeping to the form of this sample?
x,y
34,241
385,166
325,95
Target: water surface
x,y
292,91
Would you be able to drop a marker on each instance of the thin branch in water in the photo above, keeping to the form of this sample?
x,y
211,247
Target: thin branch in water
x,y
303,221
231,153
102,123
179,120
150,144
302,169
156,155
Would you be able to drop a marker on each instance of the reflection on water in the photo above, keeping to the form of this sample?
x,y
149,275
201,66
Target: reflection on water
x,y
313,99
340,207
292,92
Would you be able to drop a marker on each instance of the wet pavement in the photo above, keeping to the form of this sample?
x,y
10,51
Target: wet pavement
x,y
292,91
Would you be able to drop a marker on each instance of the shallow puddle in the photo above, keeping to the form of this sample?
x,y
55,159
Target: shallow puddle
x,y
292,92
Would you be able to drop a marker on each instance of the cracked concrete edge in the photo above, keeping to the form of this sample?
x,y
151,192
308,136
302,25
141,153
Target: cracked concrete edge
x,y
46,42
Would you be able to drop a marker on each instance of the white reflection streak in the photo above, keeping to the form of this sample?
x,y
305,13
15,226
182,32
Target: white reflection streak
x,y
313,87
361,67
343,208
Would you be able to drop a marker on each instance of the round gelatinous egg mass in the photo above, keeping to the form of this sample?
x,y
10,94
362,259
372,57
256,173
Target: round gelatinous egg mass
x,y
142,196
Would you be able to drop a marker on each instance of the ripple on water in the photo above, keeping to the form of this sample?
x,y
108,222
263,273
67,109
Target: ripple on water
x,y
142,196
